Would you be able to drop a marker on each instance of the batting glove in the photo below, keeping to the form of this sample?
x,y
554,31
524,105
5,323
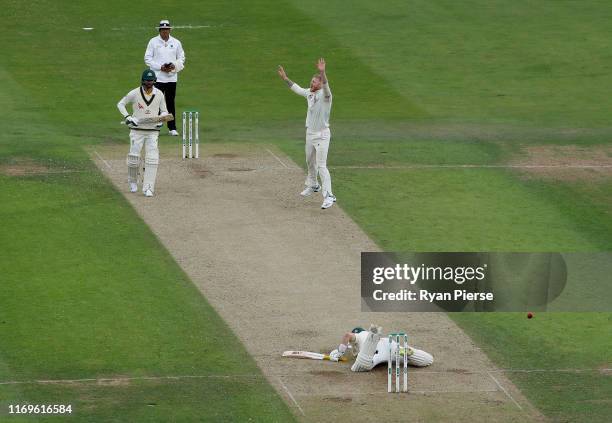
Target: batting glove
x,y
337,354
130,121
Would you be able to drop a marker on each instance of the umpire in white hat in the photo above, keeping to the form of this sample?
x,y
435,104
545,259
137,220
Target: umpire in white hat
x,y
166,57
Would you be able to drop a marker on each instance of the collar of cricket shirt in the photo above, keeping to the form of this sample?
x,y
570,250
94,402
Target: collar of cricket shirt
x,y
166,43
143,94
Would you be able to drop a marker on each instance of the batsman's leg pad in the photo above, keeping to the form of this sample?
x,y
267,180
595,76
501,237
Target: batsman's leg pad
x,y
364,361
151,149
419,358
150,174
151,162
132,164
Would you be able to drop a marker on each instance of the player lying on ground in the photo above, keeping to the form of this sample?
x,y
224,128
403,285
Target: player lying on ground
x,y
372,348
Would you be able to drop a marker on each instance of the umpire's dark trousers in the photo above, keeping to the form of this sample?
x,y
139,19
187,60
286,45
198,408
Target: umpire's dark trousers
x,y
169,90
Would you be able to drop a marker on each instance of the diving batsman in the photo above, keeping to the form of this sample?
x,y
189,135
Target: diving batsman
x,y
372,349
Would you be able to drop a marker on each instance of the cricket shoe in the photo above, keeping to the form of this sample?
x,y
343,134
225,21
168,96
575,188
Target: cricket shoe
x,y
310,190
133,187
148,193
173,133
328,202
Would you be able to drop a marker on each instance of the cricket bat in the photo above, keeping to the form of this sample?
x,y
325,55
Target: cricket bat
x,y
154,119
308,355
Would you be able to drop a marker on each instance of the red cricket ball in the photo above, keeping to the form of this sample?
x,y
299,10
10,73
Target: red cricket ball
x,y
529,315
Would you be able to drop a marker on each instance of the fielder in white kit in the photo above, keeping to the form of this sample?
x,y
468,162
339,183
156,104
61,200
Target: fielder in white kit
x,y
318,135
148,103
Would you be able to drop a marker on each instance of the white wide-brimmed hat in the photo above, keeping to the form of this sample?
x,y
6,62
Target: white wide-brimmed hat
x,y
164,24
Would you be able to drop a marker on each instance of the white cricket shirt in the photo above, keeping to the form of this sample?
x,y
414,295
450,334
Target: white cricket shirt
x,y
143,106
160,52
319,106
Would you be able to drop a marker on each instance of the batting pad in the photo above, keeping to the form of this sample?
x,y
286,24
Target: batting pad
x,y
132,163
152,158
419,358
364,361
150,174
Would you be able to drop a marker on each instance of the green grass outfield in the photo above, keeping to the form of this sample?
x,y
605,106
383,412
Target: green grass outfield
x,y
88,292
418,82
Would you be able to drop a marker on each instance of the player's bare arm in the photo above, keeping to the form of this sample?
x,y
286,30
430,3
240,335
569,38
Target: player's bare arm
x,y
283,75
338,353
323,77
348,338
321,68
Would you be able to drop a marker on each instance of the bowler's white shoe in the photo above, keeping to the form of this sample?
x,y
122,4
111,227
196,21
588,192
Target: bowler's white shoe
x,y
328,202
310,190
148,193
133,187
174,133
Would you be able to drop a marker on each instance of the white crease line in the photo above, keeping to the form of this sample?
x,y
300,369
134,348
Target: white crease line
x,y
385,393
505,392
472,372
124,379
291,396
549,370
415,373
276,157
419,372
468,166
174,27
100,157
191,26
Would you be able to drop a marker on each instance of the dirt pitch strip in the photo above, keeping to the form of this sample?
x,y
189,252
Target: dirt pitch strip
x,y
284,275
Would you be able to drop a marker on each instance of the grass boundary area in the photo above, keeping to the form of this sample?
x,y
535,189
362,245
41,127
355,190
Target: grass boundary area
x,y
89,292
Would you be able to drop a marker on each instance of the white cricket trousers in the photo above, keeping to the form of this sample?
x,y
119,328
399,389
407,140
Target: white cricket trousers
x,y
149,140
418,358
317,145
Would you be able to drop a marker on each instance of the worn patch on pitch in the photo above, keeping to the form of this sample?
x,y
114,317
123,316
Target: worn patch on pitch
x,y
26,167
202,173
337,399
240,169
565,163
459,371
306,333
327,373
225,156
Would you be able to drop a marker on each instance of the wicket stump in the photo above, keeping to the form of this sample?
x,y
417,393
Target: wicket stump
x,y
191,134
395,356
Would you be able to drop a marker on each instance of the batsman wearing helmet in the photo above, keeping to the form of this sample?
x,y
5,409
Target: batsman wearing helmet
x,y
148,111
372,348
